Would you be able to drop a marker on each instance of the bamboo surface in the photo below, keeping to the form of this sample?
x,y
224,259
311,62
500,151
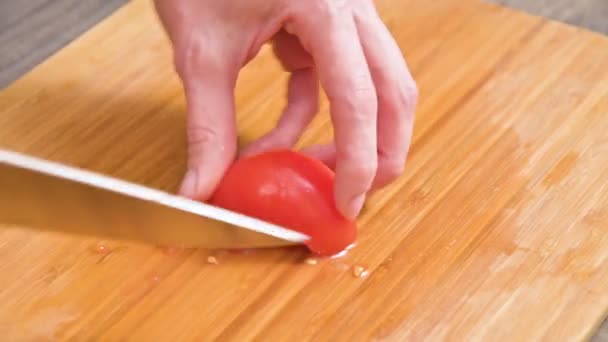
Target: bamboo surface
x,y
498,230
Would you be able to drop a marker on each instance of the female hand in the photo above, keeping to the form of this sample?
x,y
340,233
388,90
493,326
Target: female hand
x,y
343,44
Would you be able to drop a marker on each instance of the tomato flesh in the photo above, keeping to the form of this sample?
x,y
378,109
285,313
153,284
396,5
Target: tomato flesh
x,y
290,189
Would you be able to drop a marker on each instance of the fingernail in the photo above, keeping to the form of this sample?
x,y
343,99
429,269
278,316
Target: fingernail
x,y
189,184
356,205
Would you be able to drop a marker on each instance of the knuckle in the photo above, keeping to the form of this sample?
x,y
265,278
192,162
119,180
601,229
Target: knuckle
x,y
410,94
192,56
358,95
391,168
402,100
200,136
327,9
328,13
388,171
362,171
186,56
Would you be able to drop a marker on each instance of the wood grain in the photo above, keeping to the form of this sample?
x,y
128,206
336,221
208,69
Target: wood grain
x,y
497,230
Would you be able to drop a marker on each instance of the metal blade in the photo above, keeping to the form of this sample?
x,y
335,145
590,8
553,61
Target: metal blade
x,y
43,195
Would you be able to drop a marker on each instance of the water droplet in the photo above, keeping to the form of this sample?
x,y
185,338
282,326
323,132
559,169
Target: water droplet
x,y
212,260
102,248
360,271
311,261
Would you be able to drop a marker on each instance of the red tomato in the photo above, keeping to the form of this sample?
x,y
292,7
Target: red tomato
x,y
290,189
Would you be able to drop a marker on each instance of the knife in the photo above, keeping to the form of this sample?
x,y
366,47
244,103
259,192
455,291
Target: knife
x,y
44,195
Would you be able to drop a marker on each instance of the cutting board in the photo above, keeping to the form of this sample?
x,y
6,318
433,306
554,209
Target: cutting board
x,y
498,230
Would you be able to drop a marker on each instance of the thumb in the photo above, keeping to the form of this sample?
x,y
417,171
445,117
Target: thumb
x,y
211,131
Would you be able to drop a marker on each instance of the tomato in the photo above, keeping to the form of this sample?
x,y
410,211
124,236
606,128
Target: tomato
x,y
289,189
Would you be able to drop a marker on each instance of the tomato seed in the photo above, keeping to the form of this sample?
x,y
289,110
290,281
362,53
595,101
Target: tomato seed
x,y
360,271
212,260
102,248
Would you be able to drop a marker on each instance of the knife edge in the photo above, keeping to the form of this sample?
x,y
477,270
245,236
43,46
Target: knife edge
x,y
133,190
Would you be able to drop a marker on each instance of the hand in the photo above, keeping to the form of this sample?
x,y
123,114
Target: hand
x,y
341,43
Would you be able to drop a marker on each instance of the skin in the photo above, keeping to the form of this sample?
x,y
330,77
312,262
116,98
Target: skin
x,y
341,45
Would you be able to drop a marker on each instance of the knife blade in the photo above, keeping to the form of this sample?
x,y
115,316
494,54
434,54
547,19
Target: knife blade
x,y
45,195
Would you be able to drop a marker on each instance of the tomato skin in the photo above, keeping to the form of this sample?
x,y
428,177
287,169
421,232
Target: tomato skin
x,y
290,189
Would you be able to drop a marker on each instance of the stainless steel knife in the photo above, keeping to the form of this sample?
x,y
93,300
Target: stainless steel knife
x,y
44,195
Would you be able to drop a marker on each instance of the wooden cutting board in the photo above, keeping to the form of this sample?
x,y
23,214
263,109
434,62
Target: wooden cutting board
x,y
497,230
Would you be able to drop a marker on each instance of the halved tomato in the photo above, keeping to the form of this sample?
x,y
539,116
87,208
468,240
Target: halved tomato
x,y
290,189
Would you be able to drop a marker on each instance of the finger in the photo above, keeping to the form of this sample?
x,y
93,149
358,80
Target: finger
x,y
325,153
396,89
302,105
332,40
290,52
211,131
302,96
